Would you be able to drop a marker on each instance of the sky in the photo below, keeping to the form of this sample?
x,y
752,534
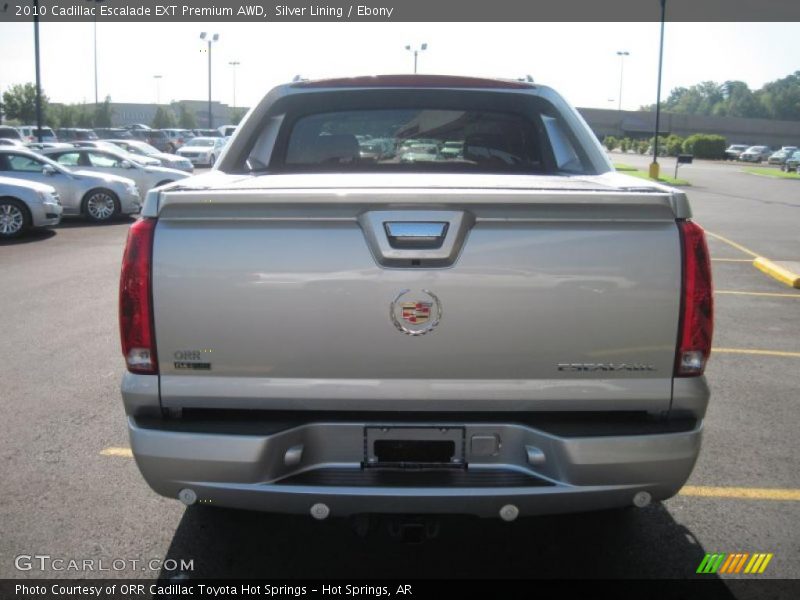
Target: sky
x,y
578,59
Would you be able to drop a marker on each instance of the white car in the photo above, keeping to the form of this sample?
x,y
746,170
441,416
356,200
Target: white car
x,y
116,162
202,150
143,152
30,133
26,204
106,145
97,196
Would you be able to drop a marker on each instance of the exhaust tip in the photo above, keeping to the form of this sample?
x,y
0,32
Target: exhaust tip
x,y
187,496
642,499
509,513
320,511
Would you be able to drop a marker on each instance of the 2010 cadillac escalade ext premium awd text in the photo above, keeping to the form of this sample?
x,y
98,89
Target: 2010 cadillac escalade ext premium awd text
x,y
512,329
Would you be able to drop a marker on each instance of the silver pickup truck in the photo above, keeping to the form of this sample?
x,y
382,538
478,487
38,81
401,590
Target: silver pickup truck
x,y
510,328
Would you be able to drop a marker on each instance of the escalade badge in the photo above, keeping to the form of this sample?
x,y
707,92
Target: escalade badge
x,y
415,313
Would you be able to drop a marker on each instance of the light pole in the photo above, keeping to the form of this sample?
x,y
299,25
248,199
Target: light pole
x,y
96,94
158,88
654,167
416,51
211,38
234,64
38,72
622,54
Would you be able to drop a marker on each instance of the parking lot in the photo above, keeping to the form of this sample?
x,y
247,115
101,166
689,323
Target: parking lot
x,y
72,490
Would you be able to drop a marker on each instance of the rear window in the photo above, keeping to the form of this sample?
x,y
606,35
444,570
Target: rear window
x,y
413,139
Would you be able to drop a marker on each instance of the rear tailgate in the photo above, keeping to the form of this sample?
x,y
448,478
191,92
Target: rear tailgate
x,y
286,292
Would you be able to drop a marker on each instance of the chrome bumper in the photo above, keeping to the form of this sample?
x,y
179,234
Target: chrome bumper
x,y
536,471
130,204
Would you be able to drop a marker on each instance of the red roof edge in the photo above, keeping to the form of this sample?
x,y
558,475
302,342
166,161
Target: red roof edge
x,y
425,81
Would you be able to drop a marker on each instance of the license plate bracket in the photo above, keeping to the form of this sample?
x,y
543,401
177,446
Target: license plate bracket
x,y
409,446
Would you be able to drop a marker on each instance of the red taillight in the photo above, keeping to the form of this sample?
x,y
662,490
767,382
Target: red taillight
x,y
697,315
136,300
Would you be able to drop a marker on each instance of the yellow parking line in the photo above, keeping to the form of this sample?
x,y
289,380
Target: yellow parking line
x,y
771,294
733,244
740,493
738,260
755,352
124,452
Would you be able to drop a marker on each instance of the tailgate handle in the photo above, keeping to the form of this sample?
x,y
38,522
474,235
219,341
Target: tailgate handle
x,y
415,234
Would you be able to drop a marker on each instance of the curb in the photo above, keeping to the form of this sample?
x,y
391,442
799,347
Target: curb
x,y
771,176
778,271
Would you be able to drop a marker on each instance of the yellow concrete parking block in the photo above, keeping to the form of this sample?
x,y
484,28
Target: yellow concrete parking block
x,y
756,352
787,272
124,452
741,493
767,294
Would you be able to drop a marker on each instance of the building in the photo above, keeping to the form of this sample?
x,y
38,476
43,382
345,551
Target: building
x,y
641,125
127,113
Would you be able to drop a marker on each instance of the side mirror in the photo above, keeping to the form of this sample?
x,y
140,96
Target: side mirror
x,y
126,164
49,170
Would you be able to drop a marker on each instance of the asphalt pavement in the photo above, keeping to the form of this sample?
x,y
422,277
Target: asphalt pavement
x,y
71,490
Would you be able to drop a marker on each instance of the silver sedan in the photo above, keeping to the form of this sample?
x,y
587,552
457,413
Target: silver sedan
x,y
145,150
202,151
26,204
115,162
99,197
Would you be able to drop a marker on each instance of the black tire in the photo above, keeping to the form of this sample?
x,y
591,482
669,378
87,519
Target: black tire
x,y
15,219
211,161
100,205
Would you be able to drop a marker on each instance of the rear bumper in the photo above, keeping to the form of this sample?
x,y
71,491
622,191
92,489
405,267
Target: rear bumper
x,y
536,471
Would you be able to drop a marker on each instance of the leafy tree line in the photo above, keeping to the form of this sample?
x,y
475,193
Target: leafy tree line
x,y
779,99
19,105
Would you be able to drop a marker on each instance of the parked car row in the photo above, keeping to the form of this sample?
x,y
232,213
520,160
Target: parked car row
x,y
758,154
374,149
95,179
163,140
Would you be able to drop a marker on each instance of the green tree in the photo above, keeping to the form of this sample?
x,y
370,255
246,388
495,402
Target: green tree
x,y
237,114
705,146
103,113
668,146
84,117
780,99
19,103
163,119
186,118
610,142
62,115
